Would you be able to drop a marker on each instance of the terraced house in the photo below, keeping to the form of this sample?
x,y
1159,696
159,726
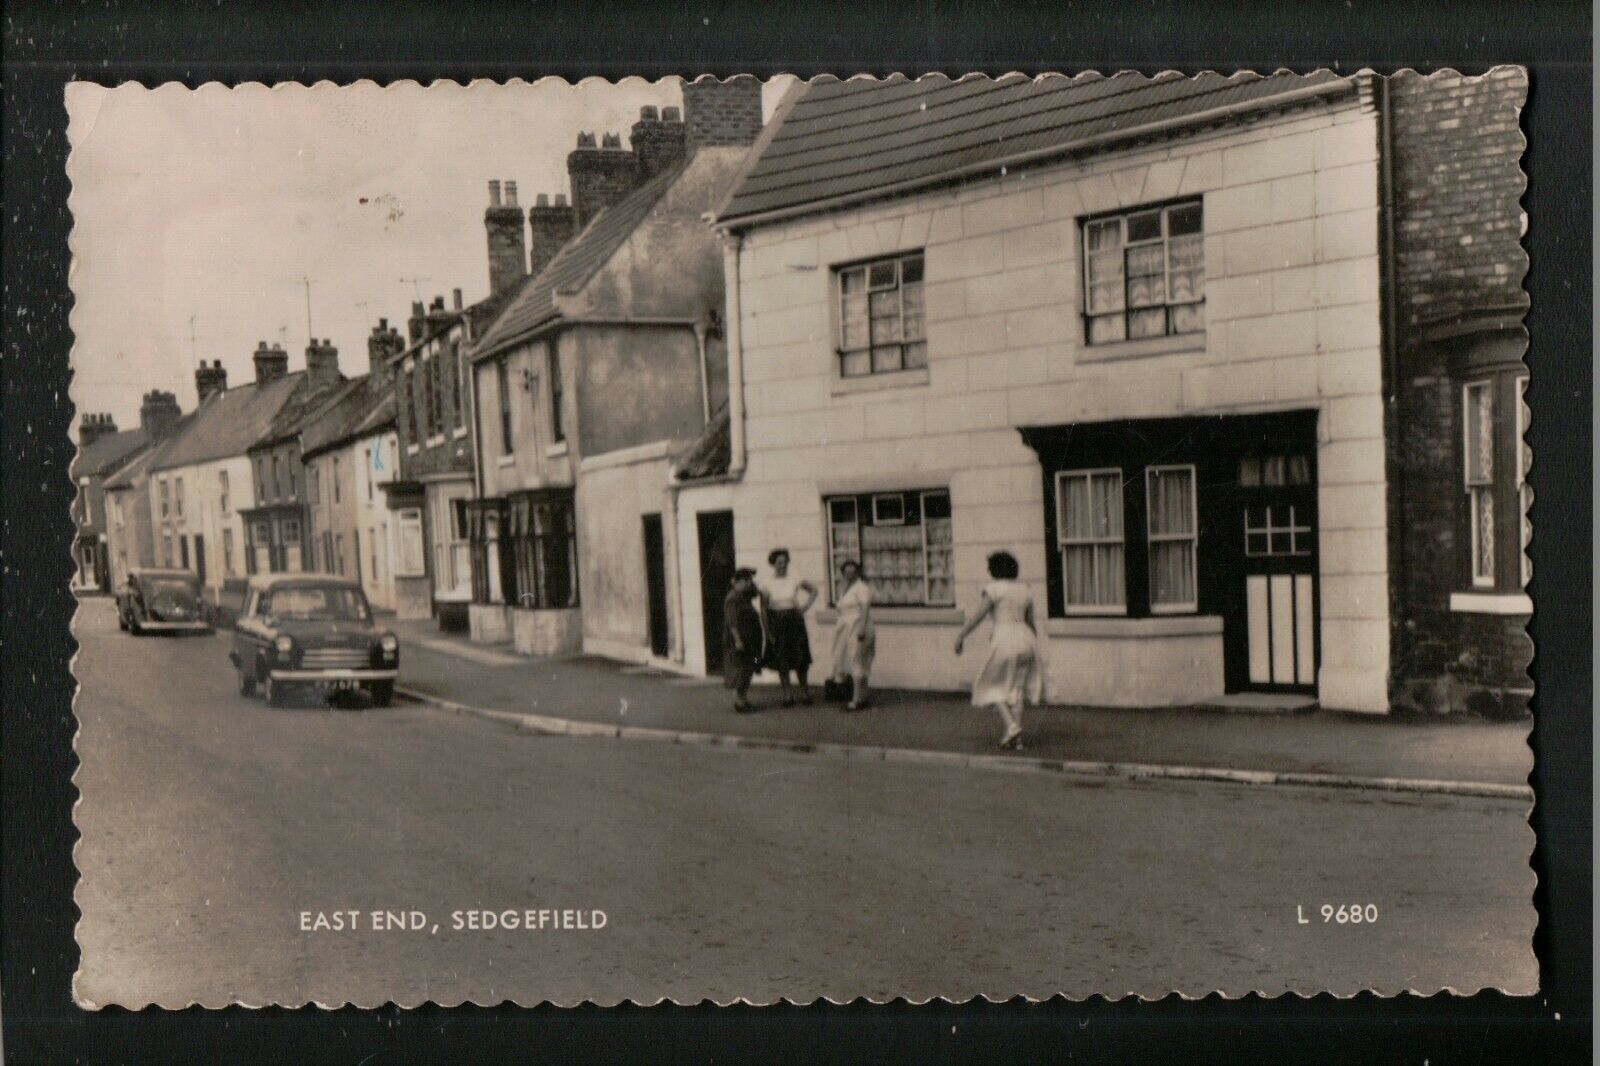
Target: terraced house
x,y
607,363
1168,342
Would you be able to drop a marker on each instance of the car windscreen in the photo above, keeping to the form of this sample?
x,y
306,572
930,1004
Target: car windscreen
x,y
168,586
316,602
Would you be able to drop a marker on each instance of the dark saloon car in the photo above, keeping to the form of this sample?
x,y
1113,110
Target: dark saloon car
x,y
161,601
312,631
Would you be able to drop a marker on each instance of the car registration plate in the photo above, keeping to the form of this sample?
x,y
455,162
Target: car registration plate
x,y
343,684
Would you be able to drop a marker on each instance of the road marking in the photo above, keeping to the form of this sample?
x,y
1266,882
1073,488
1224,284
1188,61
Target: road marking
x,y
550,725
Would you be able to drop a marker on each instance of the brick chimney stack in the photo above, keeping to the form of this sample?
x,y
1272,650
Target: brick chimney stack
x,y
93,427
271,363
659,140
383,344
508,250
600,176
158,413
210,379
552,225
322,364
722,112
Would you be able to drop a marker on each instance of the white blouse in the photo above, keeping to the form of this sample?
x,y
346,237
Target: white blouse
x,y
782,593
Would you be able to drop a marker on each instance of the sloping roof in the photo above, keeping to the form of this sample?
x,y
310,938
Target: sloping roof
x,y
299,410
575,264
108,452
358,409
136,465
228,423
850,141
710,454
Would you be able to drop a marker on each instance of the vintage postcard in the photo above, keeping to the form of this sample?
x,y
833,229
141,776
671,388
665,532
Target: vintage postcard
x,y
750,541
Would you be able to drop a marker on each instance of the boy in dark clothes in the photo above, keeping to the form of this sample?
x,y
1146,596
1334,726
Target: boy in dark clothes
x,y
742,643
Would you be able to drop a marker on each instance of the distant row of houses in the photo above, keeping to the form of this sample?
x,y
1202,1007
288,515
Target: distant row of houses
x,y
1233,367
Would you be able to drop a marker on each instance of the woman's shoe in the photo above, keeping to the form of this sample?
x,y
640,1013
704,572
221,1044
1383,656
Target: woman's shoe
x,y
855,706
742,707
1012,739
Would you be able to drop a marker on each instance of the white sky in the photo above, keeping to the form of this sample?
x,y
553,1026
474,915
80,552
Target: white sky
x,y
213,202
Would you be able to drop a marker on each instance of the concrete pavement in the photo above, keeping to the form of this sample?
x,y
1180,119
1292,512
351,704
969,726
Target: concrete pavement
x,y
214,828
1342,750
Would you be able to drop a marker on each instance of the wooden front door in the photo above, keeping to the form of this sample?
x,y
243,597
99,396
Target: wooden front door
x,y
1273,639
716,577
655,579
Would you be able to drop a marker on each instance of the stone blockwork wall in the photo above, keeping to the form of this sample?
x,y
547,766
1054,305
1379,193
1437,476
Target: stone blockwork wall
x,y
1457,174
1293,322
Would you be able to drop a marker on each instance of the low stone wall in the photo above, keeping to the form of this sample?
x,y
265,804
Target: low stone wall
x,y
541,633
488,623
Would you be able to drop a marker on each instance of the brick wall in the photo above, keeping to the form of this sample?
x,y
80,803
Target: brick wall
x,y
1457,178
722,112
452,454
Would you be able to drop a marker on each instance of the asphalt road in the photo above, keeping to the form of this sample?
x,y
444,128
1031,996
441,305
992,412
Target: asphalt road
x,y
214,828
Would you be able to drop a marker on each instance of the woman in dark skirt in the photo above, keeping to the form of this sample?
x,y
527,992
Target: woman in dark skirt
x,y
784,603
742,637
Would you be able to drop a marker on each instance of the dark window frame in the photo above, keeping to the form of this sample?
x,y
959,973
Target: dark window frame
x,y
1125,309
909,347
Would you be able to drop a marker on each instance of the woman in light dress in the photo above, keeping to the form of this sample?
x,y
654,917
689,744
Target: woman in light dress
x,y
855,639
1012,672
785,599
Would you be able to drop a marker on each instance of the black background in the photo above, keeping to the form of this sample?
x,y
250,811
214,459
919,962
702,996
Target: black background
x,y
47,45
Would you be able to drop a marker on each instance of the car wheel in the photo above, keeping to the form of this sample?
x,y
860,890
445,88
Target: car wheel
x,y
382,693
247,681
122,621
135,628
277,692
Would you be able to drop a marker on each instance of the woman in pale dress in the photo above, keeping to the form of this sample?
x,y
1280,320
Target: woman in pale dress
x,y
855,639
1012,673
785,599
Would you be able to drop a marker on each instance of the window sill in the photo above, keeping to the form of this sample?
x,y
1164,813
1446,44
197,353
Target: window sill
x,y
412,449
902,616
1491,603
1111,627
893,379
1142,348
556,451
461,431
436,440
505,460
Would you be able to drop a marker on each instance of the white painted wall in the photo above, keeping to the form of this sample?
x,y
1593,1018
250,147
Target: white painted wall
x,y
1291,226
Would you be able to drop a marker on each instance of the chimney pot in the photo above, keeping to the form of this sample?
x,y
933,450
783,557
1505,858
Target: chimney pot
x,y
611,140
671,114
648,113
585,140
494,193
542,200
511,194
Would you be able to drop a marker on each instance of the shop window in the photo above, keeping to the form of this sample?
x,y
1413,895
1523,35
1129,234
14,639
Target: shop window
x,y
902,541
1173,530
1144,274
543,534
882,327
1093,551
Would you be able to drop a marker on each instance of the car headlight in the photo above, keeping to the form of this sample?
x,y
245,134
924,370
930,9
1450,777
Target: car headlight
x,y
389,644
284,646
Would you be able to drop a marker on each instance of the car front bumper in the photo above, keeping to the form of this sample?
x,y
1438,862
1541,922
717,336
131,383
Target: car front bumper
x,y
193,626
334,675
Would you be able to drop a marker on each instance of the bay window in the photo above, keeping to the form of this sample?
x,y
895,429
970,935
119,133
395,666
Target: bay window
x,y
1089,524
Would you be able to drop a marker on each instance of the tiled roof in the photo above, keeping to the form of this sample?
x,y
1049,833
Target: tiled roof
x,y
123,476
228,423
107,452
298,411
711,452
356,410
575,264
850,141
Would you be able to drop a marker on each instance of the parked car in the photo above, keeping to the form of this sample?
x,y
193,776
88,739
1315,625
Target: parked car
x,y
162,601
312,631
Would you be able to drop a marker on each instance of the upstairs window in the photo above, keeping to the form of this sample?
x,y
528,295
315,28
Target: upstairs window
x,y
164,491
1144,274
502,387
177,497
882,327
222,489
558,432
1494,466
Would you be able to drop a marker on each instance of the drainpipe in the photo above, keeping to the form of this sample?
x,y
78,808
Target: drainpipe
x,y
675,647
700,330
735,337
1391,355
